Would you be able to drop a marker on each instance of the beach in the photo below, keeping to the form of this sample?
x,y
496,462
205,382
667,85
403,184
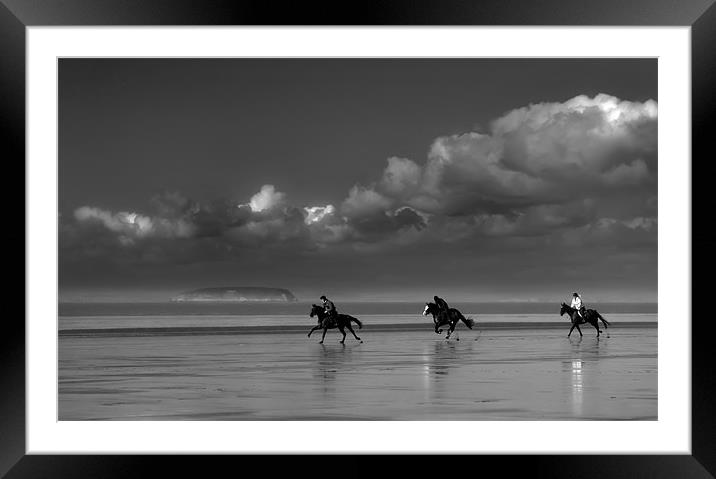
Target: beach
x,y
501,370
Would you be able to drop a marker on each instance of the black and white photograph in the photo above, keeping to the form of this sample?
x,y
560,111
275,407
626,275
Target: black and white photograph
x,y
357,239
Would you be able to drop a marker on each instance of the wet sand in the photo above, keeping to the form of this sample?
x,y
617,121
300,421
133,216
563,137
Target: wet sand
x,y
492,374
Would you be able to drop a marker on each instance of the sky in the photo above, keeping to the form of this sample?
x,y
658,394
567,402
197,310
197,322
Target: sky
x,y
361,179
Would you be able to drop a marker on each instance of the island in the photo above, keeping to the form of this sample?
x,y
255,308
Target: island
x,y
238,294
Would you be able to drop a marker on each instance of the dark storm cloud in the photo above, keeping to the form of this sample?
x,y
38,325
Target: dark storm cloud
x,y
548,177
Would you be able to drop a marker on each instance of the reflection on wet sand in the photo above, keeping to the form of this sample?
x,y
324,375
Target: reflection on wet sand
x,y
330,359
584,371
575,372
577,387
438,358
403,375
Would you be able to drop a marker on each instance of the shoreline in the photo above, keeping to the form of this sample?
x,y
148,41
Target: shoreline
x,y
301,316
299,329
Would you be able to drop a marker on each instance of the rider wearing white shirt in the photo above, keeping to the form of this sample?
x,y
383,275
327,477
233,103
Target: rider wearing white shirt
x,y
577,303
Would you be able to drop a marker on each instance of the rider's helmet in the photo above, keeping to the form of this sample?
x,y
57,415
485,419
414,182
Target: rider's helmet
x,y
323,298
575,294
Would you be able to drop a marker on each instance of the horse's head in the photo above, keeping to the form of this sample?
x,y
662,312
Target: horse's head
x,y
429,308
565,309
315,309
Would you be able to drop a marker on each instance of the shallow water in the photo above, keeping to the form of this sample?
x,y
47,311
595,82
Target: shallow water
x,y
492,374
189,321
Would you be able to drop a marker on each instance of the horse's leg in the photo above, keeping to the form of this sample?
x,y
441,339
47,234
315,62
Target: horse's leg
x,y
580,331
344,335
325,330
571,329
313,329
350,328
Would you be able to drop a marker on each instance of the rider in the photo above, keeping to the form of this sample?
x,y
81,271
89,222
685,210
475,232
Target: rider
x,y
577,304
442,306
441,303
329,308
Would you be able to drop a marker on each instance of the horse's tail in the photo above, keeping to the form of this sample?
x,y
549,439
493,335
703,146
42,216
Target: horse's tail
x,y
606,323
357,321
469,322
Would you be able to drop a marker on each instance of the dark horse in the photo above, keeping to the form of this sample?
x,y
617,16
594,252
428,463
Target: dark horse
x,y
591,316
341,321
451,318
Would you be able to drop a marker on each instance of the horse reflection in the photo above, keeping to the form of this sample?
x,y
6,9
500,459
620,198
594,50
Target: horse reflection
x,y
330,362
577,383
438,360
584,355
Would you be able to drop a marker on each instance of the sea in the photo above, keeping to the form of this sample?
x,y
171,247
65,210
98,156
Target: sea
x,y
203,316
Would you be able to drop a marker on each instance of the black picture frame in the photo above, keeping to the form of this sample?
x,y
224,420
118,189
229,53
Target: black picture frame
x,y
700,15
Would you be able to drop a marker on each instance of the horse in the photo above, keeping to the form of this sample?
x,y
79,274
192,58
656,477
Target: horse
x,y
341,321
591,316
440,318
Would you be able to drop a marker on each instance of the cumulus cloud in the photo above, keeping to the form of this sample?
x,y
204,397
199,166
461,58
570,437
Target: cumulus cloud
x,y
316,214
625,174
266,231
364,202
541,154
401,177
266,217
540,170
130,226
560,173
266,199
326,226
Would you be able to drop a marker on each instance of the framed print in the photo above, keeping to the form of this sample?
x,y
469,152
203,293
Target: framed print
x,y
493,205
